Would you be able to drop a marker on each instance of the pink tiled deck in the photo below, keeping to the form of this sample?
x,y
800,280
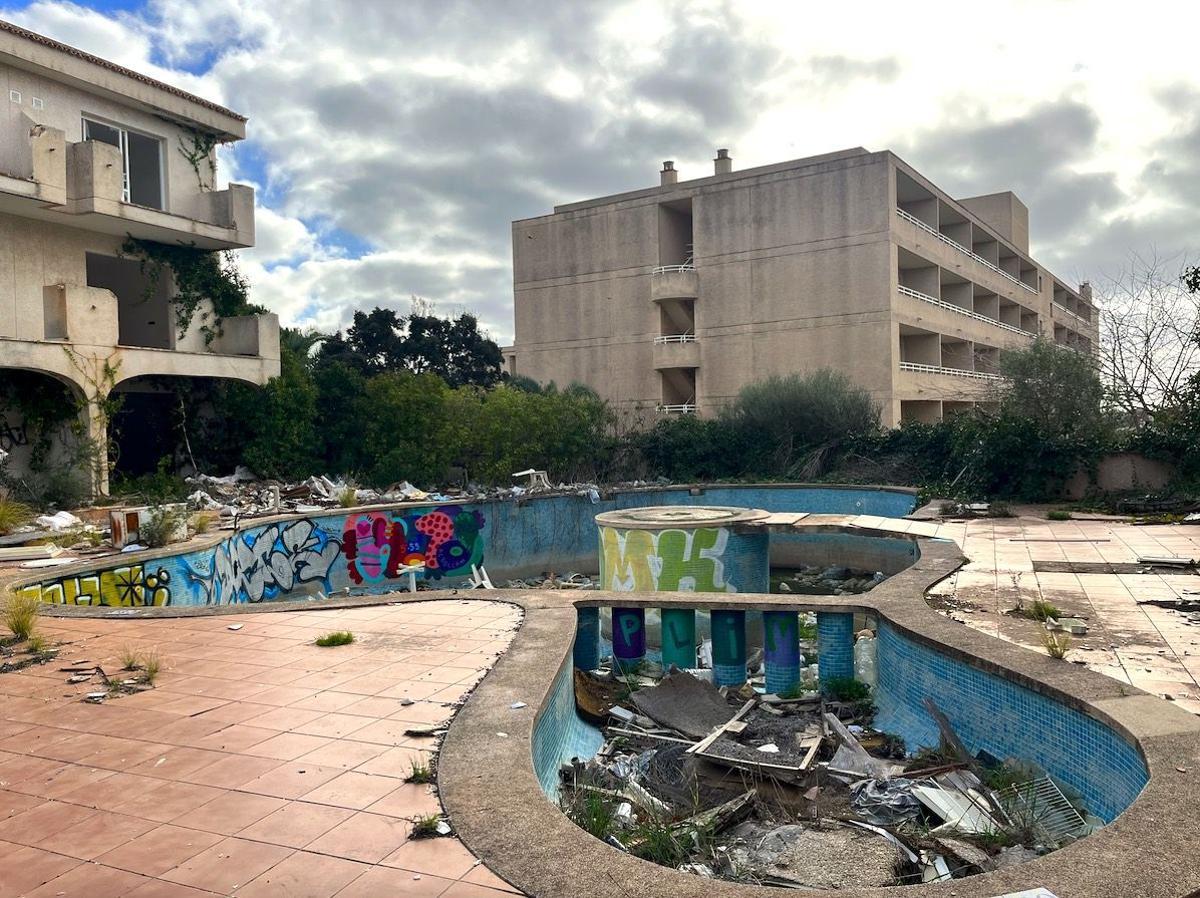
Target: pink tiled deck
x,y
261,765
1153,648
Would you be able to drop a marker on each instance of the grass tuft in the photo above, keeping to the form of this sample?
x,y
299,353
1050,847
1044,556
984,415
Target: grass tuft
x,y
1056,644
13,514
130,659
338,637
1058,514
419,773
21,610
425,827
348,497
151,664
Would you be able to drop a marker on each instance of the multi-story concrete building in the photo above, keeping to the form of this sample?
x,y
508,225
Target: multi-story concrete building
x,y
91,154
675,297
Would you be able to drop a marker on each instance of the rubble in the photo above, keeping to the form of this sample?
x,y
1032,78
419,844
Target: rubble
x,y
801,792
817,580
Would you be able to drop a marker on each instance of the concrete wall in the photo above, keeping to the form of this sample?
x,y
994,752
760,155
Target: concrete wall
x,y
1123,472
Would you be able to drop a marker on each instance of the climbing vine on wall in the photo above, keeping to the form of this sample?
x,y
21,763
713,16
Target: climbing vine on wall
x,y
198,274
197,149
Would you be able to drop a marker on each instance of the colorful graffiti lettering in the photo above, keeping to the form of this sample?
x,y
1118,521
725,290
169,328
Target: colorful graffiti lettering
x,y
129,586
667,560
262,564
446,540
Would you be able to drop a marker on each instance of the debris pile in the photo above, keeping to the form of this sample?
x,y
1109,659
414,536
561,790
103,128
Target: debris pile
x,y
798,791
817,580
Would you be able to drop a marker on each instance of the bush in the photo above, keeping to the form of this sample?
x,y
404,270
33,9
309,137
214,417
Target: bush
x,y
687,448
162,527
794,426
338,637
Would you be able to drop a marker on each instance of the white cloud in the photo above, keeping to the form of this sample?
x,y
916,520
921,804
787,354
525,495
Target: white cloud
x,y
392,143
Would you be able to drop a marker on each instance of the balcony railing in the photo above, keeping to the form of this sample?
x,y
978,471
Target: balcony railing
x,y
1071,312
671,269
675,338
962,249
956,372
684,408
924,297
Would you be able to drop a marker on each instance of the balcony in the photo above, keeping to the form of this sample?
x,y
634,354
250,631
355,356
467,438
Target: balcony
x,y
685,408
950,241
674,282
676,351
960,311
953,372
82,185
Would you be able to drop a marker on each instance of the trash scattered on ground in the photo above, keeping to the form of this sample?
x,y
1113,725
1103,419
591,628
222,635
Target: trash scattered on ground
x,y
800,791
551,580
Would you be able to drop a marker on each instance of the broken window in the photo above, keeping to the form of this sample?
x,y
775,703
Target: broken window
x,y
141,157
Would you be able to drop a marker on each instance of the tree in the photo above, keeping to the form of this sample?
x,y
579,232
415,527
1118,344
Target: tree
x,y
1149,319
452,348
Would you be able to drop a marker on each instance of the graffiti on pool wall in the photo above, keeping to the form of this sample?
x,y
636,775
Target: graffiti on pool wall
x,y
665,560
447,540
262,564
128,586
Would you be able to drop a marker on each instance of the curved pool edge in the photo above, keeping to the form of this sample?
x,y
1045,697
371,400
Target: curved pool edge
x,y
490,788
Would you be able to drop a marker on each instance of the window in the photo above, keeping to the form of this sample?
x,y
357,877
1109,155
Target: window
x,y
141,157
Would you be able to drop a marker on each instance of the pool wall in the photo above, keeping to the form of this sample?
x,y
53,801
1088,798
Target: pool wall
x,y
362,550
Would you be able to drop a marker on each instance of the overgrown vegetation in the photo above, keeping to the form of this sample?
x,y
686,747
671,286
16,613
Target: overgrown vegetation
x,y
196,275
1058,514
338,637
162,527
1056,644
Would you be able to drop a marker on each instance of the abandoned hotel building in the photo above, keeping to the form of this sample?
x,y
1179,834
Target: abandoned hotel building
x,y
90,155
675,297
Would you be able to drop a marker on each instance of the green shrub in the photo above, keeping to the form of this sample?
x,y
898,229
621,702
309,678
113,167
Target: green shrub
x,y
1058,514
846,689
162,527
794,426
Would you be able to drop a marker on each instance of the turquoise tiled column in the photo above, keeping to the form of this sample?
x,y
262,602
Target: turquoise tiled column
x,y
628,638
835,645
678,638
729,647
587,639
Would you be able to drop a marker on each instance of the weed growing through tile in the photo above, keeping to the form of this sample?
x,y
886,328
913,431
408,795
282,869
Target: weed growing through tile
x,y
1057,644
419,773
1058,514
425,827
151,664
338,637
129,658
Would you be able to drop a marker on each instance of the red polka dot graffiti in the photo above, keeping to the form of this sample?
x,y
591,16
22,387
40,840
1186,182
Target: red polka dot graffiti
x,y
446,540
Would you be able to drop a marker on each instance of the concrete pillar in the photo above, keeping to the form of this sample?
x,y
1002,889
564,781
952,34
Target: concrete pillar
x,y
781,650
678,638
729,647
629,638
587,639
835,645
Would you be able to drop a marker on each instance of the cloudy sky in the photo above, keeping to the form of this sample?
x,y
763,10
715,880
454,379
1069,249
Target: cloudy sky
x,y
392,141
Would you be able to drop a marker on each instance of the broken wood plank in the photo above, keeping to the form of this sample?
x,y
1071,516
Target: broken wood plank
x,y
949,737
621,731
720,731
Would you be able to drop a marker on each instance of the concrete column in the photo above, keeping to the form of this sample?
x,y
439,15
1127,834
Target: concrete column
x,y
629,638
781,650
678,638
729,647
835,645
587,639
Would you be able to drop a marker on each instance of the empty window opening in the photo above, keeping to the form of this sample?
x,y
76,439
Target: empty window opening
x,y
679,387
677,318
144,313
141,158
675,233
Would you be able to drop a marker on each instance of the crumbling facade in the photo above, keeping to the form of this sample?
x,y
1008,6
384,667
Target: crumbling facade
x,y
92,154
675,297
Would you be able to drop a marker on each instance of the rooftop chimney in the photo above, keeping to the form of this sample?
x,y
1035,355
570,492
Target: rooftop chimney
x,y
668,173
722,165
